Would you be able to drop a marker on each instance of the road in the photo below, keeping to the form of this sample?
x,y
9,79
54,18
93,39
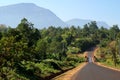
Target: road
x,y
91,71
94,72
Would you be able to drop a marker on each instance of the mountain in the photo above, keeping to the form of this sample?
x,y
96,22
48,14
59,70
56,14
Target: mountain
x,y
12,14
82,22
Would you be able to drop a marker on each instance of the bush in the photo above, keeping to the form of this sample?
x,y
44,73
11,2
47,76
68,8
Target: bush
x,y
109,61
73,50
53,63
76,59
6,73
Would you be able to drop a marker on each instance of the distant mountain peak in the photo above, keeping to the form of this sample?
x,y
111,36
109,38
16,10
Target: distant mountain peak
x,y
24,4
82,22
81,19
40,17
20,4
27,3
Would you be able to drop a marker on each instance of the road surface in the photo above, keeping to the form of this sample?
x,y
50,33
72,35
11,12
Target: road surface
x,y
95,72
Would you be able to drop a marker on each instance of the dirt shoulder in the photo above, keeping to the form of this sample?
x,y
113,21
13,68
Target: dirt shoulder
x,y
68,75
106,66
102,64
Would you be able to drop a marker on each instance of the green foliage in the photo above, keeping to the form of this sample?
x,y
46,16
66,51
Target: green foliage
x,y
27,53
41,49
75,59
73,50
83,44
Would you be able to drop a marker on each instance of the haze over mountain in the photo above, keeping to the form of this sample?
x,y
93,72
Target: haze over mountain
x,y
11,15
40,17
82,22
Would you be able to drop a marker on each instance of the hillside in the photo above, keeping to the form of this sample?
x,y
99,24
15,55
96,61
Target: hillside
x,y
41,17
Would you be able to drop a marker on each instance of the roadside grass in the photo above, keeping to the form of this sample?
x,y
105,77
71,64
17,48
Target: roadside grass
x,y
110,63
107,61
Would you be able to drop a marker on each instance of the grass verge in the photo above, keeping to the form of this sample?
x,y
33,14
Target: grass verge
x,y
111,65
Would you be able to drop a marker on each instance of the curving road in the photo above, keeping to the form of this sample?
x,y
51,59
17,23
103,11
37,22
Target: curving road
x,y
93,71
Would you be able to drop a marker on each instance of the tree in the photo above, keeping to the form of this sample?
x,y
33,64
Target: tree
x,y
41,49
3,28
112,47
113,32
93,27
85,30
28,32
84,44
118,43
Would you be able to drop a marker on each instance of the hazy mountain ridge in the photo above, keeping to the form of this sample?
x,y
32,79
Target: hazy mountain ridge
x,y
41,17
12,14
82,22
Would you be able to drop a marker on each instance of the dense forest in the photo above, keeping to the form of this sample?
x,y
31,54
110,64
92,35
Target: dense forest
x,y
27,53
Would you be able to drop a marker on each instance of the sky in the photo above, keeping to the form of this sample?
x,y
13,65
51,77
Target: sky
x,y
98,10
